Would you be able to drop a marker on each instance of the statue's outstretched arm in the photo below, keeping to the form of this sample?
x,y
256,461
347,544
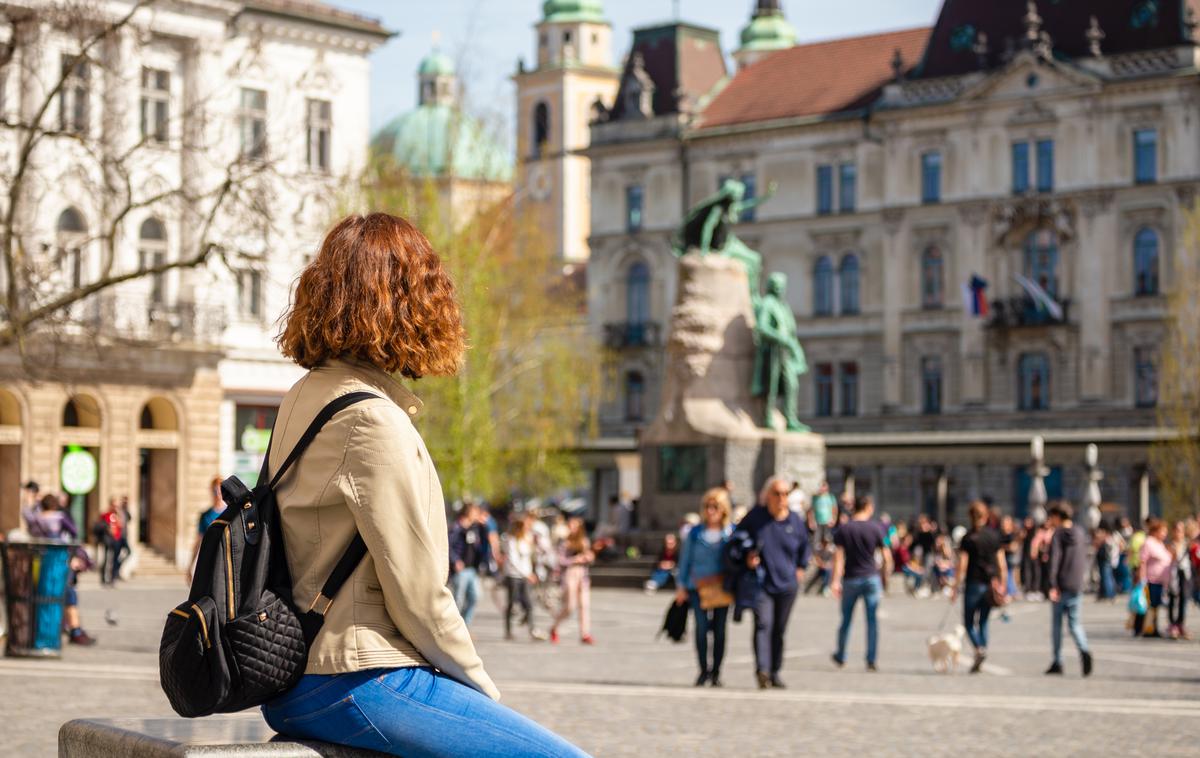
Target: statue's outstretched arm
x,y
710,228
746,205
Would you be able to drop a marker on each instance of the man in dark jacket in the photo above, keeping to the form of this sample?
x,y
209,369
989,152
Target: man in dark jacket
x,y
778,559
1068,571
468,557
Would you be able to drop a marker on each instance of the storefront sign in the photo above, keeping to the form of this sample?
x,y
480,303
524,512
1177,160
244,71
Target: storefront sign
x,y
78,472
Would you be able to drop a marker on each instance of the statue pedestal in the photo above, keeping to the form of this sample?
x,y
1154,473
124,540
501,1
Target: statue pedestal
x,y
705,432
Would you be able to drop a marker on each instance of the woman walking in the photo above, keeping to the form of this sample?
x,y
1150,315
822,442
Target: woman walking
x,y
1181,583
519,548
1155,564
574,557
980,561
393,669
701,569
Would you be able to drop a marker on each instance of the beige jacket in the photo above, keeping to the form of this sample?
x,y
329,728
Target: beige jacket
x,y
369,470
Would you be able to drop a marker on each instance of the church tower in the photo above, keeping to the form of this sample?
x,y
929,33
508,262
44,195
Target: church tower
x,y
768,31
573,71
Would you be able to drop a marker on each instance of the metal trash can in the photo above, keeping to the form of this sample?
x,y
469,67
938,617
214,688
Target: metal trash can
x,y
35,583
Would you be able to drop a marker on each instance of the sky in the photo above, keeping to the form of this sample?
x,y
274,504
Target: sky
x,y
486,37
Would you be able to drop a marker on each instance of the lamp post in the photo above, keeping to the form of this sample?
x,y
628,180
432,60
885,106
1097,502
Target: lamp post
x,y
1091,498
1037,488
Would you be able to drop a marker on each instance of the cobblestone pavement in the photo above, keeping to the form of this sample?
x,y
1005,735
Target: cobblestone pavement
x,y
632,695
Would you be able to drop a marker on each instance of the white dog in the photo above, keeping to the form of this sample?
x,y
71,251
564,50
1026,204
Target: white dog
x,y
945,649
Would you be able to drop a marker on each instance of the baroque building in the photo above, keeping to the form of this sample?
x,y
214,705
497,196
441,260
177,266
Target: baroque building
x,y
978,222
169,379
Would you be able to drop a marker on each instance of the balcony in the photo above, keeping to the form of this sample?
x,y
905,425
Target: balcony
x,y
1020,312
137,319
628,335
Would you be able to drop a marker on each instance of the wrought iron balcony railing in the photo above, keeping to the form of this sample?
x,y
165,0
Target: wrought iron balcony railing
x,y
624,335
1024,311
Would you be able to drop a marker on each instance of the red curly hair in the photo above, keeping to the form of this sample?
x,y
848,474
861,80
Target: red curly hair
x,y
376,292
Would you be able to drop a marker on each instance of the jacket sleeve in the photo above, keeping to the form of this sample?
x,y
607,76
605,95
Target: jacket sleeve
x,y
1056,558
457,533
401,518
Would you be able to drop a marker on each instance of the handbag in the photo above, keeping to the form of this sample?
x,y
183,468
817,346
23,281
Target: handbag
x,y
239,640
675,622
712,592
997,597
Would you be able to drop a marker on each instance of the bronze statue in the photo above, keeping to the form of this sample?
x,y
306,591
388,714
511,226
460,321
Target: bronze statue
x,y
778,358
708,228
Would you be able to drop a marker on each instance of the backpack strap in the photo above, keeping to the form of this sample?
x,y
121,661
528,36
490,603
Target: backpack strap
x,y
335,406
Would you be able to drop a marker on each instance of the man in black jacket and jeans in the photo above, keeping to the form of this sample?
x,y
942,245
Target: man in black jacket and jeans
x,y
1068,571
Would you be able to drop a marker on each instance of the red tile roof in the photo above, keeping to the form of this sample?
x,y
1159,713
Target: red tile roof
x,y
815,79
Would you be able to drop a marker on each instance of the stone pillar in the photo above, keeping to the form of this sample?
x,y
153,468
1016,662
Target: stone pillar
x,y
1143,504
895,252
1098,232
971,245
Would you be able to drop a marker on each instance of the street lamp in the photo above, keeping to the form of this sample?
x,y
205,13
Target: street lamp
x,y
1037,488
1091,498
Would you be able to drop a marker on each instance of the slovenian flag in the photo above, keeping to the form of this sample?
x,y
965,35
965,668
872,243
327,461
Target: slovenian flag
x,y
1040,297
974,294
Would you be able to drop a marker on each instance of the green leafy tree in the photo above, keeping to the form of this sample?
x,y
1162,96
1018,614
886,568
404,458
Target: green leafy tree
x,y
511,419
1176,459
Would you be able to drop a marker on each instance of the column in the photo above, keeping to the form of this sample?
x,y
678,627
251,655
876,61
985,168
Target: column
x,y
972,244
1094,258
895,248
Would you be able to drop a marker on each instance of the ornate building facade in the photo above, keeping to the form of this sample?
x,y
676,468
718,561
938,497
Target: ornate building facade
x,y
978,222
171,379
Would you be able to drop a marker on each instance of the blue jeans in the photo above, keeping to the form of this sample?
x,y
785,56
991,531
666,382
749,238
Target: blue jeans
x,y
1070,604
976,608
709,621
870,589
465,585
660,577
1108,588
412,712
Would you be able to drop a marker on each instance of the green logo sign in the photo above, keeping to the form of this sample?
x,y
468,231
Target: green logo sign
x,y
78,472
255,440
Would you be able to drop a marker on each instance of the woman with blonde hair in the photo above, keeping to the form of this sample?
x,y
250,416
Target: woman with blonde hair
x,y
393,668
701,580
574,557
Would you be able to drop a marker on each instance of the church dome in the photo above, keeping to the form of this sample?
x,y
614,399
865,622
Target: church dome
x,y
441,142
436,63
574,10
768,30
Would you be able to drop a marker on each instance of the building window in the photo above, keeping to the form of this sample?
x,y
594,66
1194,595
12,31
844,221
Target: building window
x,y
823,287
249,294
1145,262
1145,373
156,104
635,198
932,277
750,182
252,123
931,384
72,236
931,177
1145,156
319,129
1020,168
848,374
635,394
73,97
824,387
1033,382
848,284
1041,260
637,298
541,128
1045,165
252,426
824,190
152,252
847,187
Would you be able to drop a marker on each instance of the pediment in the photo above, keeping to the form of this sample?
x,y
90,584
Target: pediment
x,y
1028,76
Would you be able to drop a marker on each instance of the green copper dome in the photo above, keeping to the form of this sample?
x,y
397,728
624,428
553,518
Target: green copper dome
x,y
441,142
436,63
574,10
768,32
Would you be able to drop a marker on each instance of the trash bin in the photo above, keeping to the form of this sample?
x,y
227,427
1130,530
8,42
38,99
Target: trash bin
x,y
35,582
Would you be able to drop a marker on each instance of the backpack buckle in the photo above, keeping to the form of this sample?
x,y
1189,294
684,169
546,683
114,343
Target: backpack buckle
x,y
323,611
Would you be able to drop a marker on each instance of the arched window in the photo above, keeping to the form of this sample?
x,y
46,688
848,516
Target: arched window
x,y
1041,260
72,231
1145,262
932,277
152,251
635,396
848,283
541,128
1033,382
637,302
823,287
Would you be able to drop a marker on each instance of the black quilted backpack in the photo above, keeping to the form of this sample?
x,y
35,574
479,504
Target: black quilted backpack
x,y
239,641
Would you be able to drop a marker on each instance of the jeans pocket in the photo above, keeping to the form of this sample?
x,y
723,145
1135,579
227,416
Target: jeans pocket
x,y
342,723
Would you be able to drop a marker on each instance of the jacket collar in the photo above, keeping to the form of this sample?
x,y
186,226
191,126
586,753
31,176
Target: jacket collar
x,y
379,379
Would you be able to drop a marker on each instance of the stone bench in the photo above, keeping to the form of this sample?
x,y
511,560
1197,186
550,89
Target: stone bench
x,y
246,735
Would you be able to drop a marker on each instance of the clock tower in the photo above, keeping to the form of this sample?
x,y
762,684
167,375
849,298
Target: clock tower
x,y
556,103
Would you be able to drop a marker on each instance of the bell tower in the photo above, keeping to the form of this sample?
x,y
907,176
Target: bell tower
x,y
573,69
768,31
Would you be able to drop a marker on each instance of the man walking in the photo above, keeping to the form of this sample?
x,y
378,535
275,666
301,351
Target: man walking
x,y
824,506
1068,569
781,550
468,556
857,541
